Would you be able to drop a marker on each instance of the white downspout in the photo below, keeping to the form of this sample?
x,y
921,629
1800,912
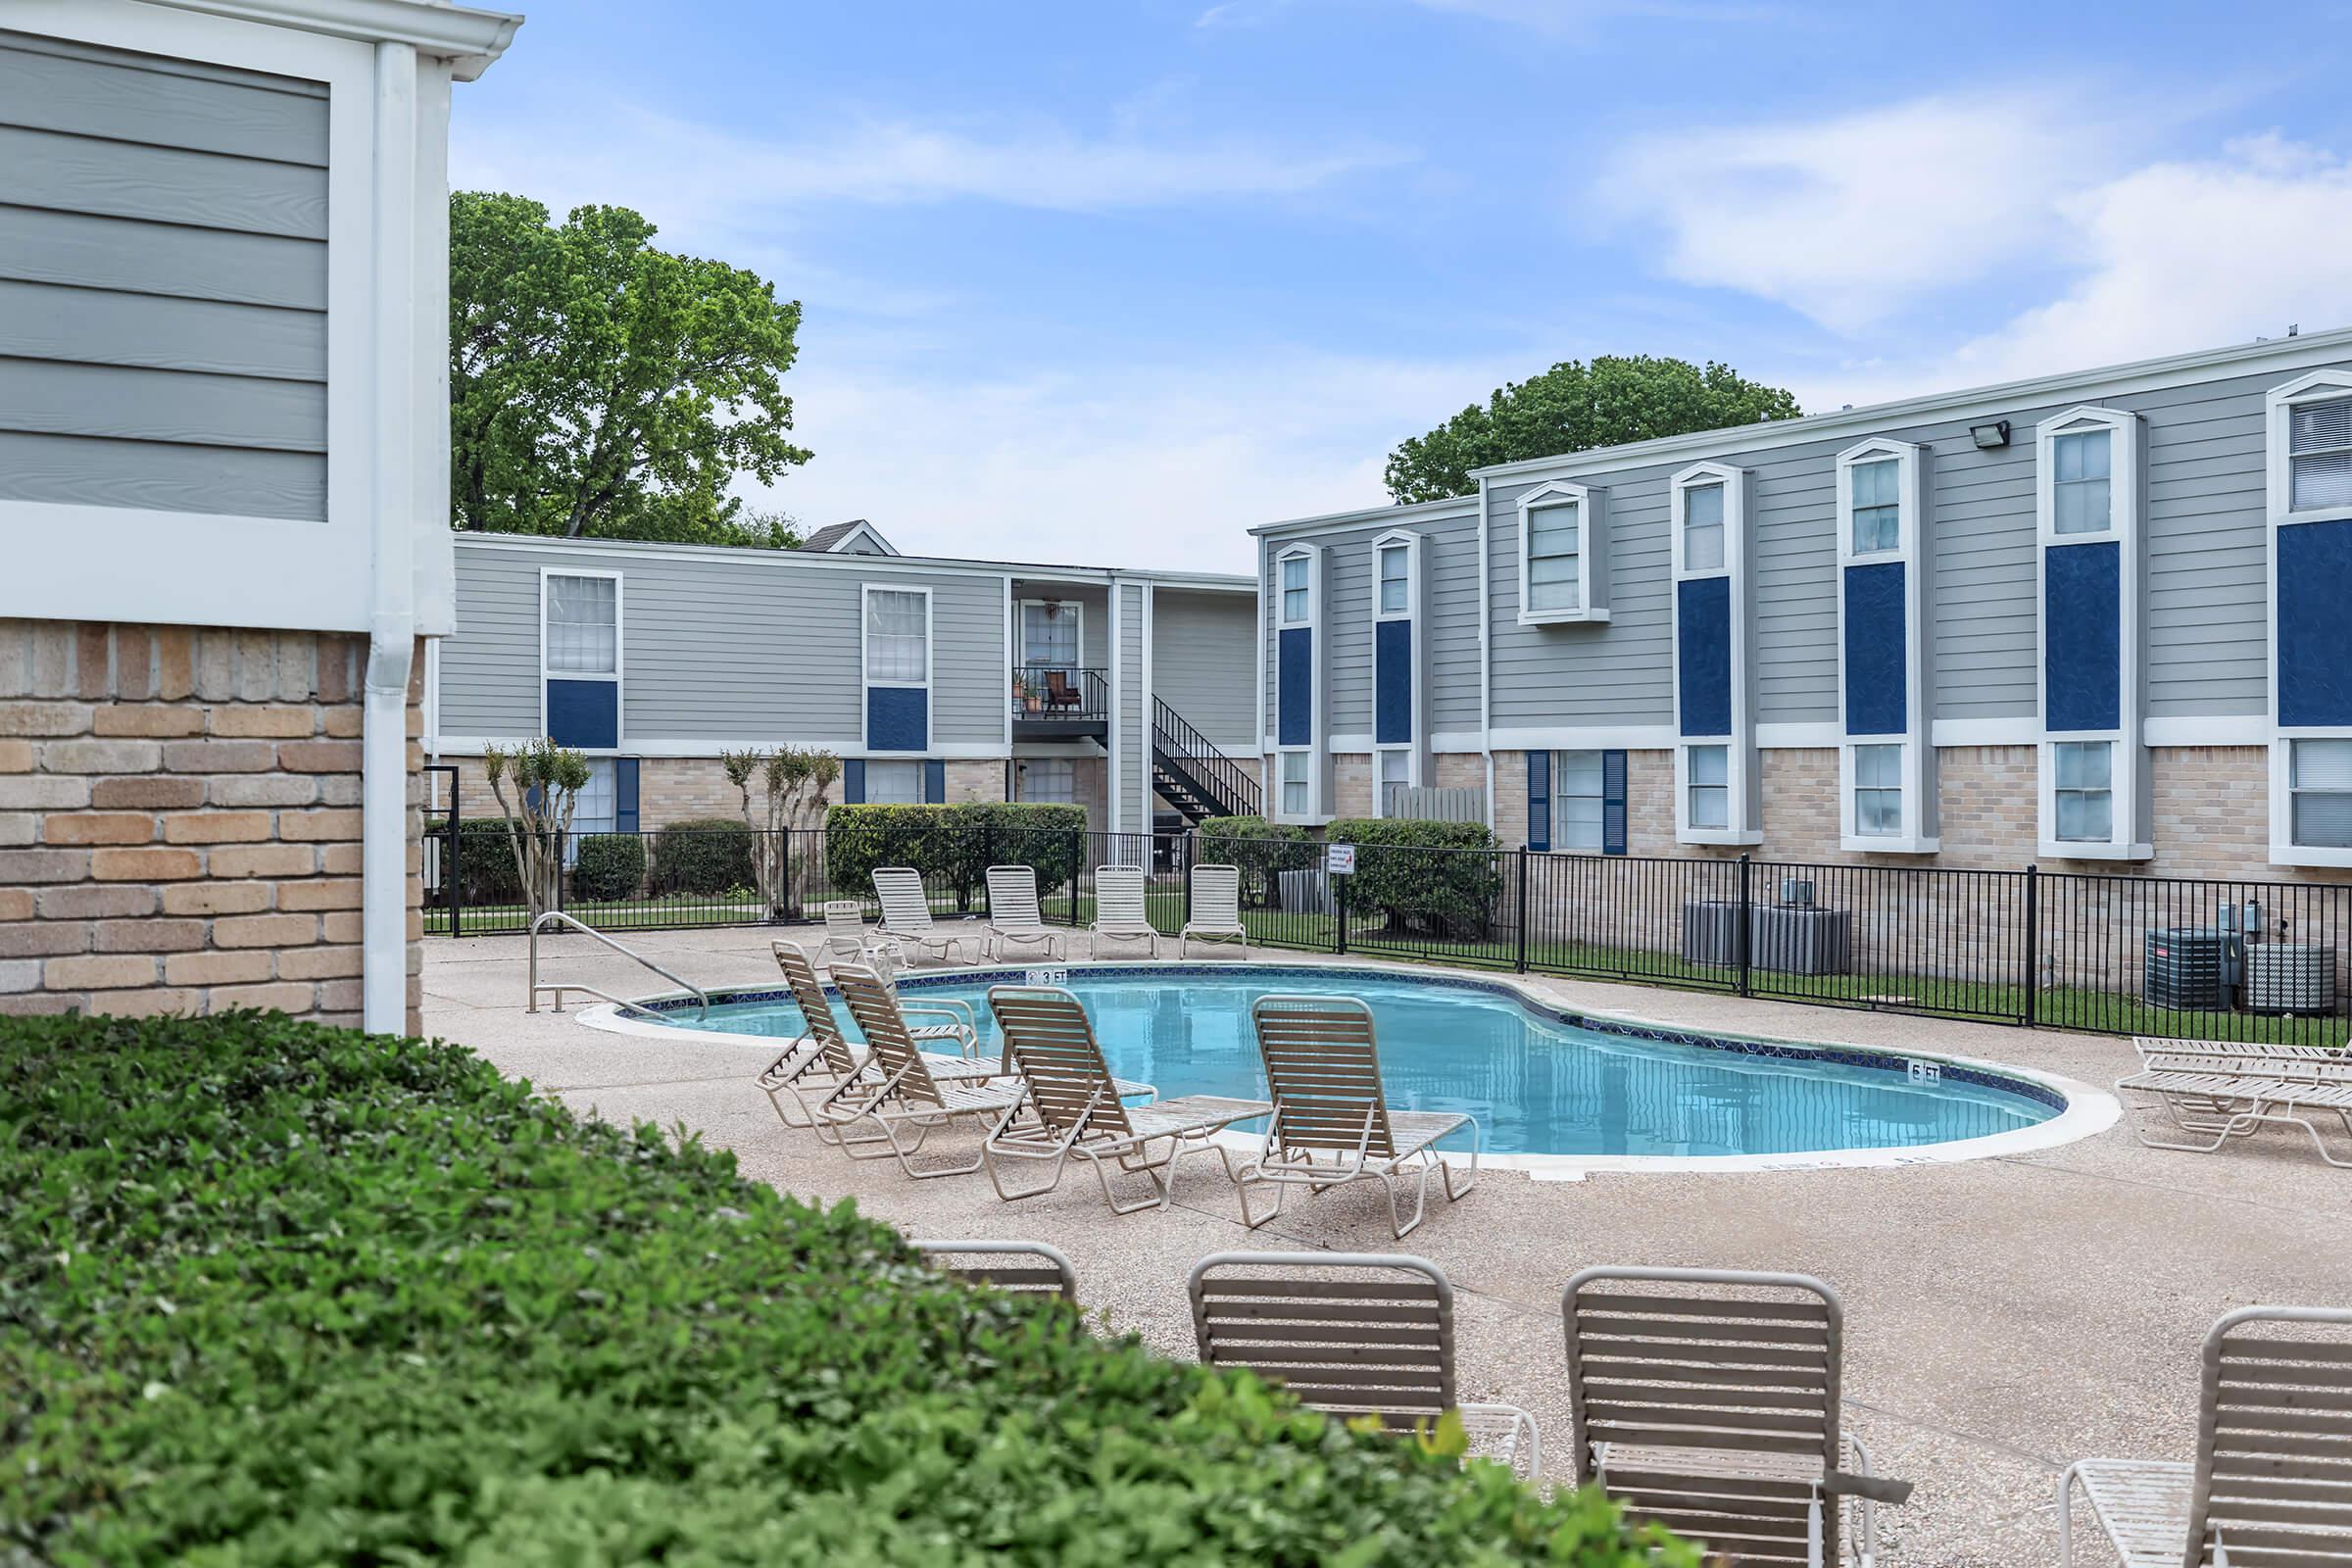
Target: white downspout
x,y
392,524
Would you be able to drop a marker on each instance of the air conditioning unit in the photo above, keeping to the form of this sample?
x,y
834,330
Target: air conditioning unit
x,y
2181,967
2289,977
1797,892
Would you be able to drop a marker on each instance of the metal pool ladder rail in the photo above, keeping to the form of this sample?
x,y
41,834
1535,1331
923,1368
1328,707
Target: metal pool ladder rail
x,y
558,917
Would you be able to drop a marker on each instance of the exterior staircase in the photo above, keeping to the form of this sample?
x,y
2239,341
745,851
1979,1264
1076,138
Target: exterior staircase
x,y
1191,774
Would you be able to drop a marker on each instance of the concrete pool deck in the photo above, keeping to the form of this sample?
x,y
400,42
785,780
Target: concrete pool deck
x,y
2004,1315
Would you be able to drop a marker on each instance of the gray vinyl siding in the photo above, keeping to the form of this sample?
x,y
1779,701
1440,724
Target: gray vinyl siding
x,y
1451,562
162,283
490,667
1202,663
2207,548
1618,672
1133,737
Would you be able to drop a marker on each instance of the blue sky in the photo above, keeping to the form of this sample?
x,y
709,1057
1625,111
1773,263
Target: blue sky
x,y
1113,282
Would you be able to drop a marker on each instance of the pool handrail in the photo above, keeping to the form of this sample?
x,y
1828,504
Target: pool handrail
x,y
557,988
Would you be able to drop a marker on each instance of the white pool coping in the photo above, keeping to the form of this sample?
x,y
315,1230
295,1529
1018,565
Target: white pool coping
x,y
2089,1110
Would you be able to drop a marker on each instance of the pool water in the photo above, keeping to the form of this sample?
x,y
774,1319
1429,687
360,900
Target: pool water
x,y
1537,1085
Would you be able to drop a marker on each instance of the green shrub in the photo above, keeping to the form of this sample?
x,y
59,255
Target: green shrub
x,y
702,855
486,873
954,846
274,1293
608,866
1260,848
1439,879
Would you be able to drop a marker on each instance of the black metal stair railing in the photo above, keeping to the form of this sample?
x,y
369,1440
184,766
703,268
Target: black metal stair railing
x,y
1195,762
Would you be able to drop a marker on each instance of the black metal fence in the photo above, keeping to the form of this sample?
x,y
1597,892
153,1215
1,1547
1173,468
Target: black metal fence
x,y
2210,958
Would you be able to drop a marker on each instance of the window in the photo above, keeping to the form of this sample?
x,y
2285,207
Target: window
x,y
1394,578
2318,456
1878,791
2085,795
1395,772
2081,498
1576,793
1703,528
595,809
583,625
894,783
1050,781
1294,591
1877,494
1049,634
2320,780
1551,557
1710,785
1294,783
897,638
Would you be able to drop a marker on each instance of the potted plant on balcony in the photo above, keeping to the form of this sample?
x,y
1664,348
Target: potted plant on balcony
x,y
1026,693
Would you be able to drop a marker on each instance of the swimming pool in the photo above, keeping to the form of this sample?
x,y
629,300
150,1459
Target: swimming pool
x,y
1541,1082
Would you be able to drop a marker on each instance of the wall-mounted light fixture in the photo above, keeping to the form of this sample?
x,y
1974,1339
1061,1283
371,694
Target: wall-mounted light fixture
x,y
1989,437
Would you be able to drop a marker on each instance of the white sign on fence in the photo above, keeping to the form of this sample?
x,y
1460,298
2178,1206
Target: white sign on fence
x,y
1338,859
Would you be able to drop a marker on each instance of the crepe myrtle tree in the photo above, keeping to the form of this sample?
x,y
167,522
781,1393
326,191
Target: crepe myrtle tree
x,y
547,779
779,786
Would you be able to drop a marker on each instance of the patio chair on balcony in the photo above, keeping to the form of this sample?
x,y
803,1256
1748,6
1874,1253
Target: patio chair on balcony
x,y
1014,919
1075,1107
1216,909
906,915
1119,911
822,1061
1024,1268
1707,1400
1062,695
899,1101
1332,1123
1351,1344
2271,1482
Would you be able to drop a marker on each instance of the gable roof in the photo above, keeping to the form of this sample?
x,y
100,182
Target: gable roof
x,y
847,538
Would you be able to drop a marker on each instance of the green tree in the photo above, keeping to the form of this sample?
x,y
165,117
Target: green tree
x,y
601,388
1573,406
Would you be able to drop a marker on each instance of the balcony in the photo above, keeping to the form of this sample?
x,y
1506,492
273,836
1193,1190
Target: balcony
x,y
1056,702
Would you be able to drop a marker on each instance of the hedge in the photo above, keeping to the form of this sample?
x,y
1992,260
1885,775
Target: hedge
x,y
275,1294
704,855
954,846
486,873
608,867
1261,849
1422,876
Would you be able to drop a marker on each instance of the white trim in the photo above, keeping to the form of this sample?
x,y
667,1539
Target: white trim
x,y
468,39
432,698
2021,731
1113,788
1012,656
1822,734
1447,509
1918,835
2320,386
1742,790
1351,744
866,683
1417,618
1020,623
1485,660
1312,555
1317,746
1264,636
1592,552
696,747
1410,544
2241,729
2278,405
864,531
1596,737
1143,722
1809,735
620,655
1456,741
751,558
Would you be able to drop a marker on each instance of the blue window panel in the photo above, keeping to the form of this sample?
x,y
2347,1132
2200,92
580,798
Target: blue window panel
x,y
935,783
898,718
1294,687
624,795
853,781
2315,589
1393,682
2082,636
1612,802
1538,800
1703,659
585,713
1876,701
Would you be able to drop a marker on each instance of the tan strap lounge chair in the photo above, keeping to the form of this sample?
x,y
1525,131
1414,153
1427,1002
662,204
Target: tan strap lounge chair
x,y
1013,918
822,1059
2210,1095
1332,1123
1707,1400
906,917
900,1100
1024,1268
1076,1107
1215,911
1352,1333
1119,911
846,937
2272,1483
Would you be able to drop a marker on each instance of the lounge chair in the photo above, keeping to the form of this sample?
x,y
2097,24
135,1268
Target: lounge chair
x,y
1214,914
906,915
822,1061
1075,1105
846,937
2212,1094
1013,918
1119,913
900,1095
1332,1123
1349,1345
1707,1400
2271,1482
992,1263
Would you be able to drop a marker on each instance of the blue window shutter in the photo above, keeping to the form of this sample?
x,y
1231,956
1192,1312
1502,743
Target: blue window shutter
x,y
1612,802
624,794
853,781
1538,800
935,783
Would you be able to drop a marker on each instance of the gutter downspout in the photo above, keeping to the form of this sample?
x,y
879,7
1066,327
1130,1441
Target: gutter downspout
x,y
392,621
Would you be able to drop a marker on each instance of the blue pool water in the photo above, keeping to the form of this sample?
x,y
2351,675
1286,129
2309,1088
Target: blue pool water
x,y
1536,1084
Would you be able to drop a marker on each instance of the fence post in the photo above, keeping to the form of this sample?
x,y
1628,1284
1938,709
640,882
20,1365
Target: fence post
x,y
2033,952
1339,901
454,827
1741,927
1184,844
1523,914
1078,859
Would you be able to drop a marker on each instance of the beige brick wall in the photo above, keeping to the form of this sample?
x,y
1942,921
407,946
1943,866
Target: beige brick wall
x,y
1510,805
179,820
975,780
1351,784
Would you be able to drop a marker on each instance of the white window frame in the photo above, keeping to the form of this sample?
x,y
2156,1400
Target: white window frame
x,y
1919,753
1411,779
1602,828
620,622
1317,700
1280,812
1282,594
2318,386
1412,576
1741,823
2127,770
865,592
894,760
1020,629
1592,564
1025,769
1417,765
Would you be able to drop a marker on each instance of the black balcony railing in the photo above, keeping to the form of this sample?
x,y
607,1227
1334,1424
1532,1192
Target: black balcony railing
x,y
1058,694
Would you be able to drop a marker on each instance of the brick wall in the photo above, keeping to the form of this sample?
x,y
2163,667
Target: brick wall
x,y
179,820
1351,784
